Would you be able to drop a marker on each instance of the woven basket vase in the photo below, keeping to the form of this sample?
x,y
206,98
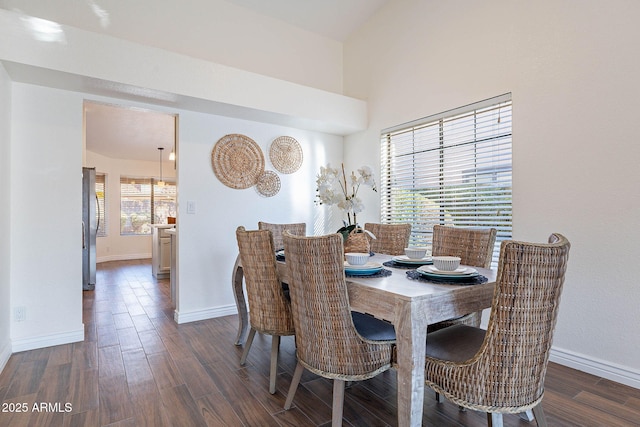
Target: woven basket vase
x,y
357,242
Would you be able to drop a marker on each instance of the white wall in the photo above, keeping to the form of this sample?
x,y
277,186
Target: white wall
x,y
83,61
46,216
207,246
5,225
47,131
576,93
219,32
113,246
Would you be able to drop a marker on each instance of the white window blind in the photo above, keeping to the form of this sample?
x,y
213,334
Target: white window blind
x,y
101,211
452,168
163,201
143,202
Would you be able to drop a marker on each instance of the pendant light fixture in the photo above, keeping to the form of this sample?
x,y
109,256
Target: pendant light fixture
x,y
172,155
161,182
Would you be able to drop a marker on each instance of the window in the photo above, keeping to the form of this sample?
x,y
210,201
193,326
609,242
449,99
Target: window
x,y
101,212
143,202
452,168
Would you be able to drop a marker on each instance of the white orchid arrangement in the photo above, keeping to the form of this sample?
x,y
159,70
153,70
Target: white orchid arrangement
x,y
335,190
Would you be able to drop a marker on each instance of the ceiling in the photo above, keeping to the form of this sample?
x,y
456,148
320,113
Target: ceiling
x,y
127,133
335,19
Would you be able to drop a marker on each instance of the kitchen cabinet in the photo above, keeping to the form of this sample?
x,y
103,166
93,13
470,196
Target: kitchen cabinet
x,y
161,251
174,263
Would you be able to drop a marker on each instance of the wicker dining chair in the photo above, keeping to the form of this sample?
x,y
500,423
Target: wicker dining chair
x,y
270,310
331,341
474,246
298,228
391,239
502,370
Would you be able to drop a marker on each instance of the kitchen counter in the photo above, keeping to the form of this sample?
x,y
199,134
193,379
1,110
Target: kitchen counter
x,y
161,250
173,273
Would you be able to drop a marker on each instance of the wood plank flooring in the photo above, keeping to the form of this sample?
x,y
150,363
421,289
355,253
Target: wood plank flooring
x,y
137,367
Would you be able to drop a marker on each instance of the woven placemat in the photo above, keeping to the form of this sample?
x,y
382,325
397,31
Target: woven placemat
x,y
400,265
285,154
237,161
268,184
382,273
476,280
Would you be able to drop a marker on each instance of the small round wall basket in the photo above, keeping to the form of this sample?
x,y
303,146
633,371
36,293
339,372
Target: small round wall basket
x,y
285,154
237,161
268,184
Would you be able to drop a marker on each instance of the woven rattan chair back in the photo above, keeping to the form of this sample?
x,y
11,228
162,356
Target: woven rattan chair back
x,y
326,339
327,342
391,239
507,374
299,229
270,310
474,246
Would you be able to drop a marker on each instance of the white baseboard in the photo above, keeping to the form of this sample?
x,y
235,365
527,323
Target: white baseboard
x,y
5,354
209,313
600,368
124,257
47,340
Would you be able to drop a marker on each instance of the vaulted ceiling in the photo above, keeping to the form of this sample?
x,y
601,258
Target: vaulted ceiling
x,y
135,134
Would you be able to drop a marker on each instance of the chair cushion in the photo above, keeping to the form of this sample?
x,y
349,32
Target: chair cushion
x,y
455,343
286,291
373,329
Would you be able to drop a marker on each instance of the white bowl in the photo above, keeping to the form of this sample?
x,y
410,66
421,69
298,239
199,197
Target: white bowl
x,y
355,258
446,263
415,253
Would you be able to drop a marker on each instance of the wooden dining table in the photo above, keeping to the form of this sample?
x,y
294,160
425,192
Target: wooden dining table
x,y
410,305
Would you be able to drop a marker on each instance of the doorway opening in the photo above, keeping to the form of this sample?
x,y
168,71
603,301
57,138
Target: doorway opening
x,y
134,152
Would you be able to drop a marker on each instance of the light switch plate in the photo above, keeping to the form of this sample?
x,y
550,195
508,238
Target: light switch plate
x,y
191,207
20,314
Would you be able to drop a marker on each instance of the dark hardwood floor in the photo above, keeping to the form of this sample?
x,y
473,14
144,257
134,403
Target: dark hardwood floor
x,y
137,367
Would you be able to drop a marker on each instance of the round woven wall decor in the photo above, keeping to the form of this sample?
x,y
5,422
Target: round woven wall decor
x,y
285,154
268,184
237,161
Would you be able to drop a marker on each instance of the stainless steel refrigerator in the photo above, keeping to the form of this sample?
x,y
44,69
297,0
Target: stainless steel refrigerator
x,y
90,224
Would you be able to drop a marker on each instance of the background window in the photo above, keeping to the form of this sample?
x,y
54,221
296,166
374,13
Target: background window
x,y
452,168
143,202
101,212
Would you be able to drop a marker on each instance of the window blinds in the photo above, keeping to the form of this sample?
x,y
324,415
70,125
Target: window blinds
x,y
143,202
135,205
452,168
101,217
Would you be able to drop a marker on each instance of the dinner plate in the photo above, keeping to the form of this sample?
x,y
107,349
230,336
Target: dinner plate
x,y
367,266
403,259
459,272
367,269
369,272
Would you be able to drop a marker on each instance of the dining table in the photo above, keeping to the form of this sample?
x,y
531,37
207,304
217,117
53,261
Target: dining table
x,y
410,305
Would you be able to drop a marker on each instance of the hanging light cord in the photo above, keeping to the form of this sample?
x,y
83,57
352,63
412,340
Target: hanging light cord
x,y
161,182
